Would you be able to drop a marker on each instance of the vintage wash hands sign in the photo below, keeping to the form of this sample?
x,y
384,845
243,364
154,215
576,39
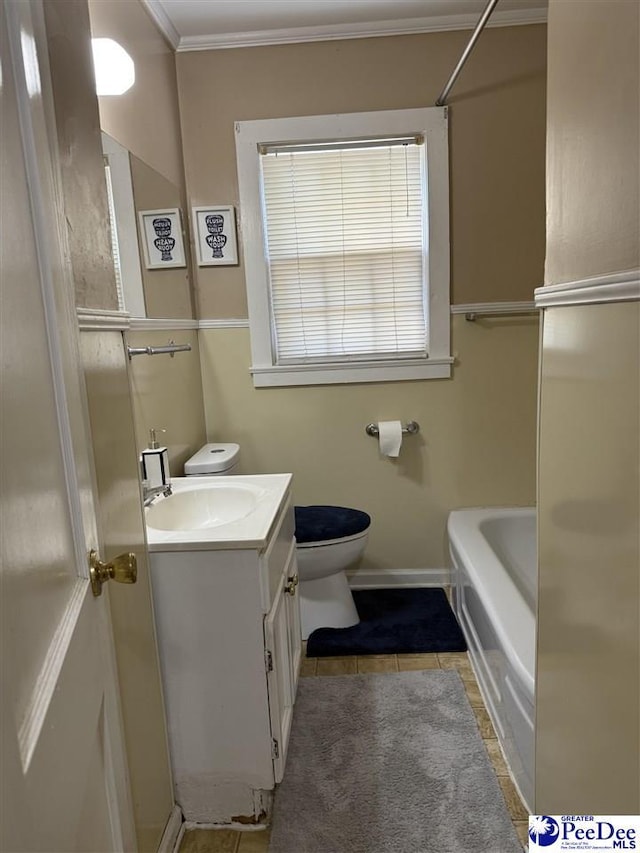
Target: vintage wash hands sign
x,y
583,832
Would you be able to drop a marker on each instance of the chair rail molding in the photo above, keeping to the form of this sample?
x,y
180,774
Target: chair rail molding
x,y
621,286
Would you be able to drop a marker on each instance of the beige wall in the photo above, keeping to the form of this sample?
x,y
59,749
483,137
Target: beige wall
x,y
593,167
146,118
78,131
167,394
588,662
497,138
476,445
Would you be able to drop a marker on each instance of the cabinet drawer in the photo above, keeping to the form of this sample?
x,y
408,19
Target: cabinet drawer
x,y
276,556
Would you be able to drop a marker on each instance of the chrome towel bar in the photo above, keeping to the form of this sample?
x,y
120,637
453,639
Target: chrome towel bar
x,y
410,429
170,348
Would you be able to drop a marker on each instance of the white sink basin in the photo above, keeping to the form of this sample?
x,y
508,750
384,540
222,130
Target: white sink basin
x,y
216,512
202,508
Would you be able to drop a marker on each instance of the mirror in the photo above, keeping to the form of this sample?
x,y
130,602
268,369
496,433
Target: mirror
x,y
151,252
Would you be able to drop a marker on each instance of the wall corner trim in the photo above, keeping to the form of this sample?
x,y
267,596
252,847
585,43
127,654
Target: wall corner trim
x,y
96,319
621,286
162,21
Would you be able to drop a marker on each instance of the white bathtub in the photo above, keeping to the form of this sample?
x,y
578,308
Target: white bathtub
x,y
493,552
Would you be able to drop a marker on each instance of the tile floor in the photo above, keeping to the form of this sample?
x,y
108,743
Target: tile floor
x,y
229,841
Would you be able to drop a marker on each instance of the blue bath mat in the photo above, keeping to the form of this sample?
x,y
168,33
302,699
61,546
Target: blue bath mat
x,y
393,621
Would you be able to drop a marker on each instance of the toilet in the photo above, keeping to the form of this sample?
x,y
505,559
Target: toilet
x,y
329,540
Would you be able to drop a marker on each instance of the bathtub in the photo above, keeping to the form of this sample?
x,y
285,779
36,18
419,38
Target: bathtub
x,y
493,552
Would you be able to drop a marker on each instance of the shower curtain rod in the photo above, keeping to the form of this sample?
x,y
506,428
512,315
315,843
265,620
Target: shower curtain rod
x,y
474,38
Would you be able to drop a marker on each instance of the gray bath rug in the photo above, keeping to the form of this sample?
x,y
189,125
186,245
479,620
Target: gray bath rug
x,y
388,764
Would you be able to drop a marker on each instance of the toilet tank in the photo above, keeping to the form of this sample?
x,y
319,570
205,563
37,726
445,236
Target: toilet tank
x,y
213,460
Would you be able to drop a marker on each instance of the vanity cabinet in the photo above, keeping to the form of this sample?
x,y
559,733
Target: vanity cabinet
x,y
228,626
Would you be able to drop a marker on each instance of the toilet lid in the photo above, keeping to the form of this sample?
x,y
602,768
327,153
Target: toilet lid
x,y
321,523
212,459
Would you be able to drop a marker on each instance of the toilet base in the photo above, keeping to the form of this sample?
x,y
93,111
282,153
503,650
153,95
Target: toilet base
x,y
326,603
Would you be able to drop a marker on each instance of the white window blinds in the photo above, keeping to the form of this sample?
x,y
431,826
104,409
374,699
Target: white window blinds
x,y
345,228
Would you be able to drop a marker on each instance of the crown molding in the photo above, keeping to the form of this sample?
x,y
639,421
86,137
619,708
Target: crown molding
x,y
616,287
330,32
162,21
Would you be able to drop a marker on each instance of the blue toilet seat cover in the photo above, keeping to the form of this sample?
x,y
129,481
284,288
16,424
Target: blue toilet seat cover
x,y
320,523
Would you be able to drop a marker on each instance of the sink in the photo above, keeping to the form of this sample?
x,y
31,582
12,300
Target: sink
x,y
205,513
205,507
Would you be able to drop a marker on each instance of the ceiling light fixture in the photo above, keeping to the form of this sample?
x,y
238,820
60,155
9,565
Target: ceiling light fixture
x,y
115,71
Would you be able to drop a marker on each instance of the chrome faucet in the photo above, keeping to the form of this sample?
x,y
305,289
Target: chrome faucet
x,y
149,494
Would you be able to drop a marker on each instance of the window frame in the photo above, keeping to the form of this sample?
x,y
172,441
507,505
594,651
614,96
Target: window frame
x,y
432,123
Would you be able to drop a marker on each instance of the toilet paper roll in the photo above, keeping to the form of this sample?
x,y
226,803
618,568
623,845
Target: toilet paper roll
x,y
390,438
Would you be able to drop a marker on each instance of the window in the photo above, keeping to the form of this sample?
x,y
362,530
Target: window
x,y
345,226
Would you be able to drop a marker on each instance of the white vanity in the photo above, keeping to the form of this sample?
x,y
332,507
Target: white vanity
x,y
227,616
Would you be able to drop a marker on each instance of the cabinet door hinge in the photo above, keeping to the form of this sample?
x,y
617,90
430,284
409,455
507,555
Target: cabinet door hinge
x,y
275,748
268,660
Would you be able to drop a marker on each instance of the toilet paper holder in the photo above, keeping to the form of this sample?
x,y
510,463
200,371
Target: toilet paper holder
x,y
411,428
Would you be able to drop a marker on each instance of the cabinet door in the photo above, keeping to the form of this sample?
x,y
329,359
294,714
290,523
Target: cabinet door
x,y
294,624
279,677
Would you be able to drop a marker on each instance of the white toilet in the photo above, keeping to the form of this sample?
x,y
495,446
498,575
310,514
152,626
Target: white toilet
x,y
330,539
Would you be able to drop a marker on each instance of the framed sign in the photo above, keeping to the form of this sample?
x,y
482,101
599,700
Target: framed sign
x,y
161,232
215,235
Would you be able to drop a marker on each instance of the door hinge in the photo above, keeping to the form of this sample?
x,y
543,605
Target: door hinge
x,y
275,748
268,660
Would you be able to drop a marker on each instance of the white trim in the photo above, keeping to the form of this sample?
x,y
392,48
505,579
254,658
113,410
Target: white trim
x,y
370,29
493,307
615,287
225,323
95,320
335,374
172,832
432,123
162,21
149,324
389,578
126,225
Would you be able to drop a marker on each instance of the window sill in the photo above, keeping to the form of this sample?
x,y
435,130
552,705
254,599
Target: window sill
x,y
340,374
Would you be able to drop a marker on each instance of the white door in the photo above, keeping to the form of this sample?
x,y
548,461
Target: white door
x,y
64,785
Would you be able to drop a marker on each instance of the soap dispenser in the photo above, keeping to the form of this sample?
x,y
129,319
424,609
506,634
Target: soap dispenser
x,y
155,463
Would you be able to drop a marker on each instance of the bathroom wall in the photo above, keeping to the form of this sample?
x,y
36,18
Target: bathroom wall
x,y
588,661
167,394
477,444
496,133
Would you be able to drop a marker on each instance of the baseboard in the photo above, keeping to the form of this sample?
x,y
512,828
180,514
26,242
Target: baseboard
x,y
173,832
389,578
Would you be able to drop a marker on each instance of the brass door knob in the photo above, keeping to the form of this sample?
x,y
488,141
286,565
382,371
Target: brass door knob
x,y
122,569
292,583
